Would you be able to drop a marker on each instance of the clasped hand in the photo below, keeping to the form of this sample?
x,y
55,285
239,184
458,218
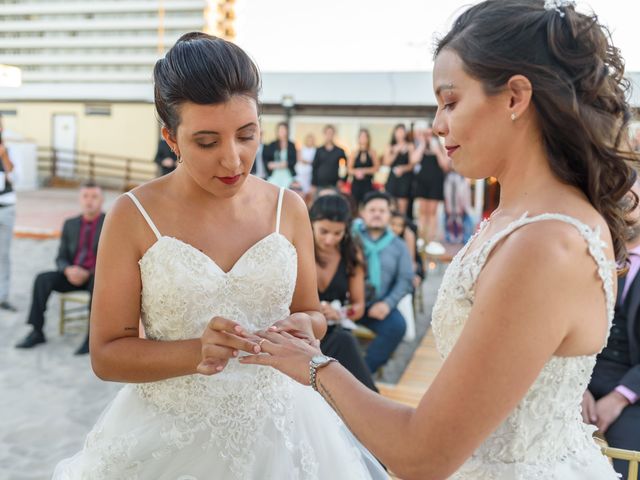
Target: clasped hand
x,y
224,339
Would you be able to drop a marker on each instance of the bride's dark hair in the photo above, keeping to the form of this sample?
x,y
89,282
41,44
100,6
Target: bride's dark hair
x,y
579,92
202,69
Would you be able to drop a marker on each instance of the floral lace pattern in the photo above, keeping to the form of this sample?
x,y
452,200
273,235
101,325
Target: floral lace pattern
x,y
244,423
546,428
232,405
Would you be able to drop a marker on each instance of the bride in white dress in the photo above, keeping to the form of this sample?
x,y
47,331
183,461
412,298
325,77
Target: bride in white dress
x,y
208,248
530,93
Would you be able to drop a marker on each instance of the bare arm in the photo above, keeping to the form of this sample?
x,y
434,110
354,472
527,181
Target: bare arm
x,y
441,156
376,163
351,161
305,296
7,164
517,307
389,156
117,352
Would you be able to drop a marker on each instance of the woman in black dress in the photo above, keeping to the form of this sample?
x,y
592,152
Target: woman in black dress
x,y
363,164
397,156
341,281
429,182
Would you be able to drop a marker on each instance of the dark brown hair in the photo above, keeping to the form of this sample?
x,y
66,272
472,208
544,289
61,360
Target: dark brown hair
x,y
579,91
335,208
202,69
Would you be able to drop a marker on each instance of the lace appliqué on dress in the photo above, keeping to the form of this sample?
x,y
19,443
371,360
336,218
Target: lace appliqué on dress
x,y
546,427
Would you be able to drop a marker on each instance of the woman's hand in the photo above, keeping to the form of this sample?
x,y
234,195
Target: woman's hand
x,y
298,325
329,312
285,353
223,339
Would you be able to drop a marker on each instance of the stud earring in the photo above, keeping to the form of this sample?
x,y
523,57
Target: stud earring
x,y
513,117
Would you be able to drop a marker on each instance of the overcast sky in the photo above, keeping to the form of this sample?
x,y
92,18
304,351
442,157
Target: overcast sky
x,y
380,35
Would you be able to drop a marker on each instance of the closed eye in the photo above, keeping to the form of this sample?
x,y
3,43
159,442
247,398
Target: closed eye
x,y
206,145
449,106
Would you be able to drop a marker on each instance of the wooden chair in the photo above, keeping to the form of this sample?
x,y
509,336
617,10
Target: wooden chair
x,y
74,309
631,456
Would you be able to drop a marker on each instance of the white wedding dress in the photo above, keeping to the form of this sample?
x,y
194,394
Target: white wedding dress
x,y
544,437
246,422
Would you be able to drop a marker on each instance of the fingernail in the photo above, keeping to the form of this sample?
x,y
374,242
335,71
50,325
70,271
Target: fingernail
x,y
273,328
238,328
235,353
256,349
219,368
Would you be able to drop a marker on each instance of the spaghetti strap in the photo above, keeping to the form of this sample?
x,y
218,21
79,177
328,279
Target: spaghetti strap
x,y
279,209
144,214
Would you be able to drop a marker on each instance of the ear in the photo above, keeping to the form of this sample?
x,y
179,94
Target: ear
x,y
520,91
168,137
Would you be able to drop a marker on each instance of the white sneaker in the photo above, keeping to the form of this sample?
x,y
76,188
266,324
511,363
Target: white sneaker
x,y
435,249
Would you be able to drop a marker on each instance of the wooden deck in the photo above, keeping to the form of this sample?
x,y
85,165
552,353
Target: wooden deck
x,y
418,376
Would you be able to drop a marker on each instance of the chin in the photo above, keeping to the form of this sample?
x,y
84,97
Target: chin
x,y
467,170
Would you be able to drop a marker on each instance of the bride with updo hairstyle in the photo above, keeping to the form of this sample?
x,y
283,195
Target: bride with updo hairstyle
x,y
532,93
191,267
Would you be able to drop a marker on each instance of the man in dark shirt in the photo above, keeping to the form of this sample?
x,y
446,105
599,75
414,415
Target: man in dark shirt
x,y
612,399
76,262
326,171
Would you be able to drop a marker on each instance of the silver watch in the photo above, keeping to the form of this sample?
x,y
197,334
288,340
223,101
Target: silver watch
x,y
316,362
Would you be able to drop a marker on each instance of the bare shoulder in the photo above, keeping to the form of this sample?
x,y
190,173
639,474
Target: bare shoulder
x,y
552,245
294,205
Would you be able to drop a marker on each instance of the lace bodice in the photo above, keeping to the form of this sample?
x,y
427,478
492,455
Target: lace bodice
x,y
182,289
546,427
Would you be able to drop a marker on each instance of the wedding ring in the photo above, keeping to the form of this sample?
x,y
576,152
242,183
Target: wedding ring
x,y
261,341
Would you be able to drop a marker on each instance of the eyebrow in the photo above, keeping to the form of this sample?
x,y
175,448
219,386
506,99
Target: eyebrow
x,y
211,132
446,86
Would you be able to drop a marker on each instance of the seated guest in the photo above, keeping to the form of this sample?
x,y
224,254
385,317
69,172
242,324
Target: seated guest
x,y
389,271
341,273
611,400
76,263
403,228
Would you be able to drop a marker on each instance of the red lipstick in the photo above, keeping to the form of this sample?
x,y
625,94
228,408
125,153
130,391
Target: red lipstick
x,y
230,180
450,150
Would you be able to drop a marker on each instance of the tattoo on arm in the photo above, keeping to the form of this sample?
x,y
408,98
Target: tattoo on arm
x,y
329,398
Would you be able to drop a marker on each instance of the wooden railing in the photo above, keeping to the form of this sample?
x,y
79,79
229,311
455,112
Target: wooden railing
x,y
70,167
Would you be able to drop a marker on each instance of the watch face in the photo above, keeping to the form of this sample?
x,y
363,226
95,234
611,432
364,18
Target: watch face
x,y
319,359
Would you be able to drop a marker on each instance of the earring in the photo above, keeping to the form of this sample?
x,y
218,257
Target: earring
x,y
179,160
513,117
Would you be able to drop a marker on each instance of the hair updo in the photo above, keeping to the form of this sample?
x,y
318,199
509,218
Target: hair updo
x,y
202,69
579,92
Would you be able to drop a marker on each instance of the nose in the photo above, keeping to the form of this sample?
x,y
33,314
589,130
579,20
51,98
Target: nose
x,y
230,159
439,126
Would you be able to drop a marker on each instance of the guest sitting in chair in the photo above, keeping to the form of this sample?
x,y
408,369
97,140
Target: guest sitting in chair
x,y
76,262
611,401
389,271
341,272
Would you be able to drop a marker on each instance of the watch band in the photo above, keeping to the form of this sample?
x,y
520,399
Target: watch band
x,y
313,371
